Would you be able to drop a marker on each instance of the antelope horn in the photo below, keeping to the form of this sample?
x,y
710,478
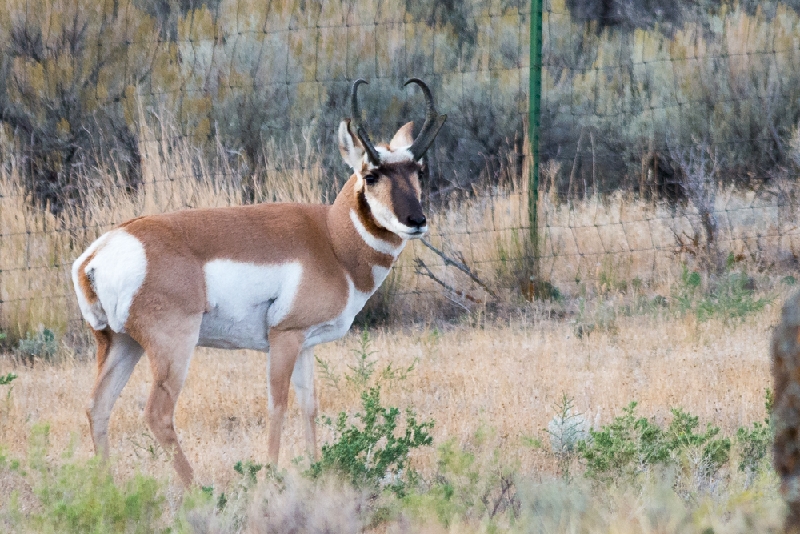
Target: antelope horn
x,y
432,125
372,154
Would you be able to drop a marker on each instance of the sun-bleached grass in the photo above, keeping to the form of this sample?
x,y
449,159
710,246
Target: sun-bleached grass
x,y
490,390
504,379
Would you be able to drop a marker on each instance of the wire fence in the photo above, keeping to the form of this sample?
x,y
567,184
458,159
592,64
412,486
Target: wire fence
x,y
658,142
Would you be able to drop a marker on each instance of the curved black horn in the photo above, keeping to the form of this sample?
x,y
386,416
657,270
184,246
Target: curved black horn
x,y
372,154
433,122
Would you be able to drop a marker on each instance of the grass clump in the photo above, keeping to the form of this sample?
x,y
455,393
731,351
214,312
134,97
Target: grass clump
x,y
730,296
474,484
82,497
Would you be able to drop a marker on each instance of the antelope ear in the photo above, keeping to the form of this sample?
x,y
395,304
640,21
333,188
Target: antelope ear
x,y
403,137
350,146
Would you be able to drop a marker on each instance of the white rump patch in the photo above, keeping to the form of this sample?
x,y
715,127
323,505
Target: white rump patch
x,y
375,243
245,300
116,273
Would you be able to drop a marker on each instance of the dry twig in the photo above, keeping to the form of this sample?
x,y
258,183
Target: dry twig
x,y
422,269
461,266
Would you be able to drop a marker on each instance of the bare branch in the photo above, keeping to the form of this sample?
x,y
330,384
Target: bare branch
x,y
422,269
461,266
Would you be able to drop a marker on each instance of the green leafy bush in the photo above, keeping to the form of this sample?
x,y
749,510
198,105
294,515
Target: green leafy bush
x,y
248,469
631,444
754,442
370,453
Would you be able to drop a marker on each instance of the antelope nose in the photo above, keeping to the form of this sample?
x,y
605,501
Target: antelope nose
x,y
416,220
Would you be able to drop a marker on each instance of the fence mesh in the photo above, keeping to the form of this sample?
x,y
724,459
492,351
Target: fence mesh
x,y
665,137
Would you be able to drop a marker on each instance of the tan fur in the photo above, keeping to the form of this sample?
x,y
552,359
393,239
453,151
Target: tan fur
x,y
103,339
85,283
165,315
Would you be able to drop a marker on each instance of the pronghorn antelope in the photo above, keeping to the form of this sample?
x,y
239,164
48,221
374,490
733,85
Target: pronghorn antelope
x,y
276,277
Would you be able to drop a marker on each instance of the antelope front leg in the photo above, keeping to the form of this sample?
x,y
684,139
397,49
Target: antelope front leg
x,y
284,348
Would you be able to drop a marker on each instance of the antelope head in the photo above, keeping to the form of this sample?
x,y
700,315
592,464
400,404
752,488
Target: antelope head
x,y
387,176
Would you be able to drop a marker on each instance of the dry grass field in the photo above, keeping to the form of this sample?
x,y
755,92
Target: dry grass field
x,y
503,378
491,388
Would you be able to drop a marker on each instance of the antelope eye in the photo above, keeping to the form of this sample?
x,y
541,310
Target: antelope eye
x,y
370,179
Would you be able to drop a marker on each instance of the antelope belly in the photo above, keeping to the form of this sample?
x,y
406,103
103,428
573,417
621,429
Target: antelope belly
x,y
244,300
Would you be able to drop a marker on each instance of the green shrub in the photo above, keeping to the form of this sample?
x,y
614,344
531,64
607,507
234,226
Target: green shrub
x,y
370,453
754,442
631,444
248,469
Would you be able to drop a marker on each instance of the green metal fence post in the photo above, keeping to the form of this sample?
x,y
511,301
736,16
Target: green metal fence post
x,y
534,101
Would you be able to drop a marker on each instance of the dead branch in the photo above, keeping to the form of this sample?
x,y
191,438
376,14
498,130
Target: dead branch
x,y
422,269
461,266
